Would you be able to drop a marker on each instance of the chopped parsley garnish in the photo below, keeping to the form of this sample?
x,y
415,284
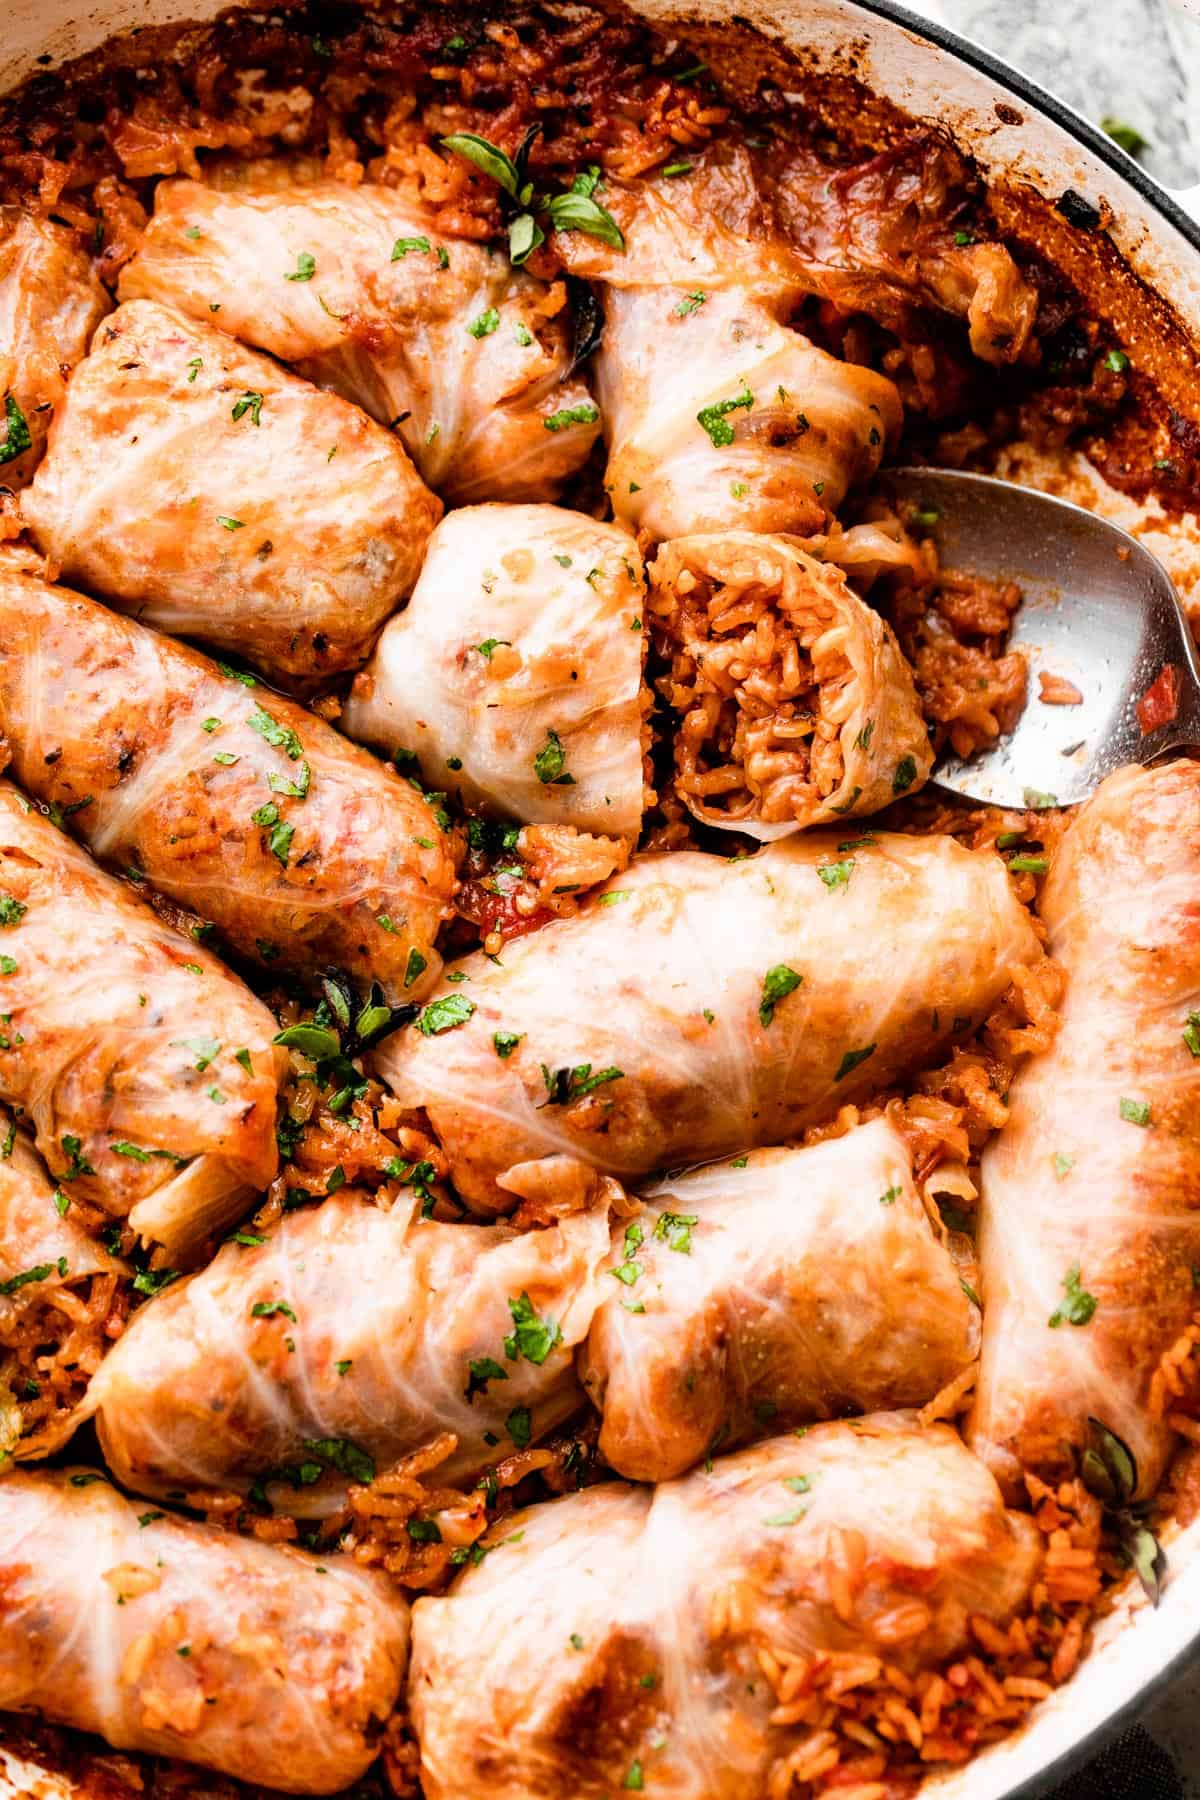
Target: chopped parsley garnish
x,y
1135,1112
230,523
778,983
16,432
531,1337
969,1291
291,787
479,1372
1117,361
549,763
152,1281
890,1196
905,774
485,324
714,418
445,1014
852,1059
519,1426
77,1163
678,168
690,303
837,874
305,269
505,1042
634,1779
583,414
488,645
1063,1164
267,1309
402,246
41,1272
415,966
203,1049
423,1531
8,965
1028,865
1036,801
250,402
1191,1033
1078,1306
11,911
675,1230
281,737
565,1085
194,367
615,895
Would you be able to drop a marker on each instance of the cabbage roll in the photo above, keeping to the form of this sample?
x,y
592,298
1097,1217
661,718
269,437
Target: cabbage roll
x,y
716,414
786,1286
182,1640
612,1640
146,1069
304,850
1090,1234
466,357
216,496
46,1257
351,1323
517,665
797,705
51,301
698,1006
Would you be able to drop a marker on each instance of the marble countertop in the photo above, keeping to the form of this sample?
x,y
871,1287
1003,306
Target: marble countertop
x,y
1136,62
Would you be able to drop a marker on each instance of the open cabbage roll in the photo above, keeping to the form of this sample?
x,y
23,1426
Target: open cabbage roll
x,y
716,413
797,704
468,358
204,488
625,1637
146,1069
182,1640
1090,1237
786,1286
50,303
351,1323
45,1257
303,849
698,1006
517,665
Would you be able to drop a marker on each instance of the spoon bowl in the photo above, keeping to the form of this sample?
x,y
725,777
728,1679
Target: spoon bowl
x,y
1097,611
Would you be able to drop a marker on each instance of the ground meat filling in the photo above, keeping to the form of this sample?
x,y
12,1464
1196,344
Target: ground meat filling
x,y
757,668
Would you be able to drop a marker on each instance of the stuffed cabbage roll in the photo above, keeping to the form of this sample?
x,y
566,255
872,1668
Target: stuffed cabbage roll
x,y
185,1641
1090,1236
517,665
51,301
697,1006
624,1637
146,1069
797,705
374,1327
47,1263
716,413
200,486
786,1286
304,850
468,358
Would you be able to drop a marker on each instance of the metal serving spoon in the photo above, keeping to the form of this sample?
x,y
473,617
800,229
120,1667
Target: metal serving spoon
x,y
1097,610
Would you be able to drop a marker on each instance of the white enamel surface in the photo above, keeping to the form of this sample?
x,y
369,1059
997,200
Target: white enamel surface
x,y
1134,1653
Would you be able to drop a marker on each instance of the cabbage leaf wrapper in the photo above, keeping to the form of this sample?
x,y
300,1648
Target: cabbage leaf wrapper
x,y
146,1069
514,673
51,301
205,489
183,1640
698,1006
717,414
763,1293
1090,1223
798,707
622,1628
229,799
440,339
376,1329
